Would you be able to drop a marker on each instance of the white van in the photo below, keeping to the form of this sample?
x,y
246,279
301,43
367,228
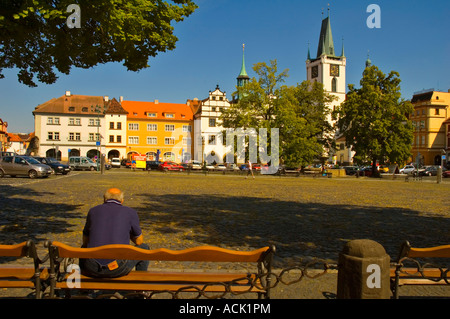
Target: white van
x,y
115,162
82,163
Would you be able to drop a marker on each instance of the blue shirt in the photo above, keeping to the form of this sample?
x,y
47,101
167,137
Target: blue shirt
x,y
111,223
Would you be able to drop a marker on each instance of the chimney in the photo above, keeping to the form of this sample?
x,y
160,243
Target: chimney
x,y
156,101
67,93
106,98
121,99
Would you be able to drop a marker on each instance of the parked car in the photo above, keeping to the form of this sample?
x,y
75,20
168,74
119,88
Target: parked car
x,y
232,166
243,167
408,169
53,163
152,165
256,167
23,165
221,167
210,167
351,170
446,173
82,163
429,171
196,165
170,166
115,162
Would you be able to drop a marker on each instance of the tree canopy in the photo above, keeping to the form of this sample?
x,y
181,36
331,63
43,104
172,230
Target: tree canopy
x,y
35,37
375,120
299,112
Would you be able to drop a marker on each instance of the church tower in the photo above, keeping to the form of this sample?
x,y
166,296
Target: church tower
x,y
243,78
327,67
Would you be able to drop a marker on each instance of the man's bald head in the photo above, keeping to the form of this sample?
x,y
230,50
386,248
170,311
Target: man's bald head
x,y
113,193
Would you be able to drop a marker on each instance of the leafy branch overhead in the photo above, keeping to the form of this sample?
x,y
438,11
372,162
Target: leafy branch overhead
x,y
35,39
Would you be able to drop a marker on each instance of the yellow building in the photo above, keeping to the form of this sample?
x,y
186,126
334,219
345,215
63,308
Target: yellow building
x,y
161,130
431,118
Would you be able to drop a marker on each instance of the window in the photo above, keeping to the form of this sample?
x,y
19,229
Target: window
x,y
119,138
169,115
97,136
212,140
56,121
334,85
111,138
212,122
133,139
91,137
50,120
119,125
74,121
111,125
84,109
152,140
152,127
71,136
133,126
91,122
53,136
71,108
151,114
186,141
436,111
186,128
423,140
169,127
169,140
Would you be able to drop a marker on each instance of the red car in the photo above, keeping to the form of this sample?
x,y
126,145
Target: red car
x,y
170,166
446,173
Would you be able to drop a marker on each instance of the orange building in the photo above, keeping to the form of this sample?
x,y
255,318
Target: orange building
x,y
161,130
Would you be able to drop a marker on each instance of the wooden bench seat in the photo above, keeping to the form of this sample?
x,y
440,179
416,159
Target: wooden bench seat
x,y
12,276
418,272
207,281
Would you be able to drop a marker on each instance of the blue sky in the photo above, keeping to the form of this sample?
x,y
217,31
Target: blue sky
x,y
413,40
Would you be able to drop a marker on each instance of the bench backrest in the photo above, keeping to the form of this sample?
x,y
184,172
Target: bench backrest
x,y
201,253
431,252
17,250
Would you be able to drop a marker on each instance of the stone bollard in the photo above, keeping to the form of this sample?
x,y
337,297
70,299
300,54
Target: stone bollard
x,y
363,271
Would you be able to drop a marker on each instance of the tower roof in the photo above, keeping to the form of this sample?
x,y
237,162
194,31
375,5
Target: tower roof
x,y
243,74
326,45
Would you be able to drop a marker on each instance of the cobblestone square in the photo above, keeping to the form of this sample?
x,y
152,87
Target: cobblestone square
x,y
303,217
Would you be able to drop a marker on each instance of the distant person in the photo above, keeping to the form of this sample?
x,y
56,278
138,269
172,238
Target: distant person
x,y
112,223
250,170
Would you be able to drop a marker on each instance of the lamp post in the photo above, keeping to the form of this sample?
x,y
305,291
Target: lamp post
x,y
98,110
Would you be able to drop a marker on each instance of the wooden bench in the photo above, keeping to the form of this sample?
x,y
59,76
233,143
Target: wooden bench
x,y
202,283
13,276
411,269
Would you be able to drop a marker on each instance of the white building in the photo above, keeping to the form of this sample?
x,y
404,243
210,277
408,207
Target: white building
x,y
71,125
209,142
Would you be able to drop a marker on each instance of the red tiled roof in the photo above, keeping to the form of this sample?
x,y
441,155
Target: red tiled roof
x,y
140,110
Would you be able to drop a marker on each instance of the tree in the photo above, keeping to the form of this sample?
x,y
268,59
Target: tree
x,y
374,119
299,112
36,39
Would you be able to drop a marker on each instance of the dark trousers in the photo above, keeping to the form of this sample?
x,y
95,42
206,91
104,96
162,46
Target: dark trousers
x,y
92,268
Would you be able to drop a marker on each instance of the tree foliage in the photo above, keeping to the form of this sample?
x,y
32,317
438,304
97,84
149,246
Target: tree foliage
x,y
35,39
374,119
299,112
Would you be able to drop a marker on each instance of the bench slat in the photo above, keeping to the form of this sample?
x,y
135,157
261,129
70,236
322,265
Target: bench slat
x,y
437,252
18,250
201,253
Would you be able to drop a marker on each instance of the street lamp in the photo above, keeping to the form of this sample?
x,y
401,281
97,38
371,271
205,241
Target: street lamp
x,y
97,109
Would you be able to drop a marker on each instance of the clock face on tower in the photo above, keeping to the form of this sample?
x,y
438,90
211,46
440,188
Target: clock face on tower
x,y
315,71
334,70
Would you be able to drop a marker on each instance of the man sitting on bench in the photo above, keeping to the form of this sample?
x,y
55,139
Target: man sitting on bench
x,y
112,223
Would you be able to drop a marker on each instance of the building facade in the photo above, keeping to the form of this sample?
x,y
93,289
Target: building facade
x,y
159,130
210,144
71,125
431,121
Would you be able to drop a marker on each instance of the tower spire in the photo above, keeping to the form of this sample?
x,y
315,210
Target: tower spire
x,y
326,45
243,78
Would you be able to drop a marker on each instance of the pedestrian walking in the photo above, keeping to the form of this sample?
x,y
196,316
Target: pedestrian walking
x,y
250,170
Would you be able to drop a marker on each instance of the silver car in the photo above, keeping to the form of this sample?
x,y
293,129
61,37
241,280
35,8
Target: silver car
x,y
23,165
